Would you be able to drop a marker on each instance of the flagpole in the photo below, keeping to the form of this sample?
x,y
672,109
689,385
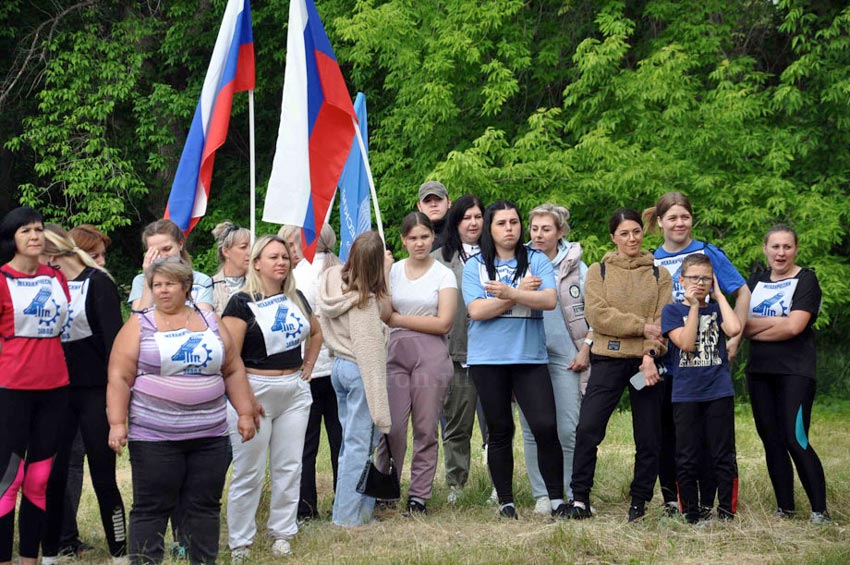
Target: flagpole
x,y
253,167
363,152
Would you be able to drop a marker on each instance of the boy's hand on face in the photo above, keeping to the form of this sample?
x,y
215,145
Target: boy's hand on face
x,y
690,295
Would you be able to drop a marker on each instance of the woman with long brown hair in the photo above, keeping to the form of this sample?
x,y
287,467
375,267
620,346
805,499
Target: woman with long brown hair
x,y
353,304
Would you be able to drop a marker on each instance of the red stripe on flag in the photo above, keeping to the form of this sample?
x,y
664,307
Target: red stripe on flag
x,y
245,75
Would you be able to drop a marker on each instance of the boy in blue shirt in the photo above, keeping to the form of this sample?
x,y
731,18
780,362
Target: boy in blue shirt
x,y
703,396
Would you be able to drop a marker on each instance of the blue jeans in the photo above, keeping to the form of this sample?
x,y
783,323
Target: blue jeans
x,y
566,386
358,436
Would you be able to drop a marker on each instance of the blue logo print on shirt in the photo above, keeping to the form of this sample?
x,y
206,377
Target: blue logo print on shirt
x,y
280,324
39,309
764,308
187,354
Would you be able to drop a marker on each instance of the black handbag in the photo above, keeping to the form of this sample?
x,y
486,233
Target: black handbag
x,y
374,483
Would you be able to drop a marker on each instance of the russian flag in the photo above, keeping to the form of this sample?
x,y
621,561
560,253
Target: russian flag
x,y
316,129
231,70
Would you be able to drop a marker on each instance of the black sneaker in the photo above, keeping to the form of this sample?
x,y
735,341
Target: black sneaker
x,y
704,513
578,512
562,512
382,505
636,512
783,514
508,511
416,507
671,510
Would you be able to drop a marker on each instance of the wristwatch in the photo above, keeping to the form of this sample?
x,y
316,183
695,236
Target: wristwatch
x,y
588,342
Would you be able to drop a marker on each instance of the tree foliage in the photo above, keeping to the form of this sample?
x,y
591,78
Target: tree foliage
x,y
741,104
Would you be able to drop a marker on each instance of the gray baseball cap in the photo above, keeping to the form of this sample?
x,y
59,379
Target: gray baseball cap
x,y
433,187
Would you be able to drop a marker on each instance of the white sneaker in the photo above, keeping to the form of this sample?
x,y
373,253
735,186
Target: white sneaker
x,y
123,560
52,560
281,547
542,506
454,495
240,554
494,497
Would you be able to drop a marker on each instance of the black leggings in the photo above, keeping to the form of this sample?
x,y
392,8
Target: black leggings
x,y
86,412
30,421
782,409
532,387
324,405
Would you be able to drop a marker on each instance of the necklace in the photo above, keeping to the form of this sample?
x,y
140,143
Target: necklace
x,y
167,319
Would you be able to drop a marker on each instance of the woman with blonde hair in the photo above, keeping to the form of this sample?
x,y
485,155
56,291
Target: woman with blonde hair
x,y
353,304
269,320
233,249
567,341
94,321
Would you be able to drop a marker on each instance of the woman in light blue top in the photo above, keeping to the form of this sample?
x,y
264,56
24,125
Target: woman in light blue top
x,y
505,289
566,341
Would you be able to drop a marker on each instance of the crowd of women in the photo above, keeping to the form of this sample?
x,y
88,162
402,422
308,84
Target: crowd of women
x,y
243,368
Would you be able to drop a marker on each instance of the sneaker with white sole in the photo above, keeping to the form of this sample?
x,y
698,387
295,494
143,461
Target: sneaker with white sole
x,y
494,497
542,507
50,560
820,518
240,554
454,495
281,547
123,560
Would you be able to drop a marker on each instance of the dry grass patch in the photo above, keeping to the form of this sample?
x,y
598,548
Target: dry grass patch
x,y
471,533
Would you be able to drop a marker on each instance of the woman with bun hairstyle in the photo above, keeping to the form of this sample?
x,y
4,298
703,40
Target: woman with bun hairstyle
x,y
353,306
33,379
673,215
567,341
781,371
269,321
233,249
506,287
461,236
93,322
625,294
164,238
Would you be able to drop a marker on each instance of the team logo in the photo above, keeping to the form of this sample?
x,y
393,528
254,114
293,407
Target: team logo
x,y
281,324
766,306
195,361
575,292
40,309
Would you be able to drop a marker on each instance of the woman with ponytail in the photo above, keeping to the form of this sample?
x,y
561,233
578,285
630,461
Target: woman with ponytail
x,y
94,318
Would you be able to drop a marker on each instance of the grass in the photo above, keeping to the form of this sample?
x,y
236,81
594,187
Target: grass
x,y
471,533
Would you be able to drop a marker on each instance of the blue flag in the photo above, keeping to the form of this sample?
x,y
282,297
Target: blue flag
x,y
355,212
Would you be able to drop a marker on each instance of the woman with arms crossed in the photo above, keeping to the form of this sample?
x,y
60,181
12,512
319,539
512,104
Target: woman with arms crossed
x,y
505,288
781,371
